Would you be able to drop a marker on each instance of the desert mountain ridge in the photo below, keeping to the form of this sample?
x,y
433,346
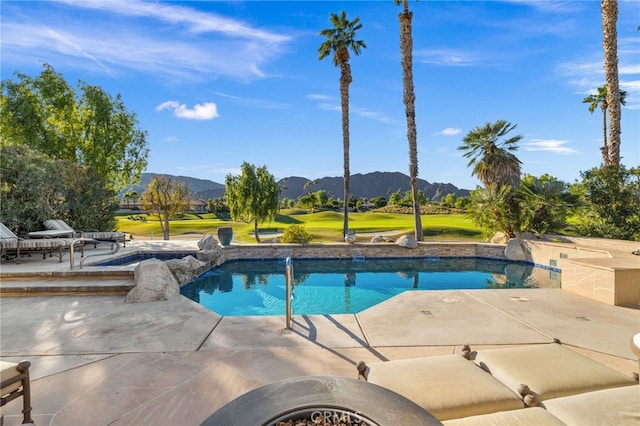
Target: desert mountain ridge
x,y
369,185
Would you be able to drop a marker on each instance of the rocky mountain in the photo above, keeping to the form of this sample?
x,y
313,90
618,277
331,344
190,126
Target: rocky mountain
x,y
202,188
369,185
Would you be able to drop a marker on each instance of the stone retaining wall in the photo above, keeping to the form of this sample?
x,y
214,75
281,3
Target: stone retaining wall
x,y
371,250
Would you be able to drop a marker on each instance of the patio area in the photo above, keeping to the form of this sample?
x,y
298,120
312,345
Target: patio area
x,y
98,361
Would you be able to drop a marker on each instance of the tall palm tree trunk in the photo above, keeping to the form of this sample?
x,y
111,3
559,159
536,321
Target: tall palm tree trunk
x,y
406,49
605,146
610,45
345,80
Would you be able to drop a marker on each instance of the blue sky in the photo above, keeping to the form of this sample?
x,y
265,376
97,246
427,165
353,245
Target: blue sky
x,y
218,83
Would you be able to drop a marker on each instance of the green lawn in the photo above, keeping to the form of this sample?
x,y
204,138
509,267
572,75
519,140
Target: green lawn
x,y
324,226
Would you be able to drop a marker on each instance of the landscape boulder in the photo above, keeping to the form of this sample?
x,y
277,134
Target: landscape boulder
x,y
186,269
211,253
208,243
153,281
499,238
514,250
407,241
350,237
381,239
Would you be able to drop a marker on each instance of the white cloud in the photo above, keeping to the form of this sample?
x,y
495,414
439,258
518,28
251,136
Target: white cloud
x,y
450,131
173,42
549,145
370,114
445,57
196,21
205,111
256,103
318,97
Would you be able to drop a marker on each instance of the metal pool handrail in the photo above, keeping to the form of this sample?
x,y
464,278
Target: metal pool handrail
x,y
289,291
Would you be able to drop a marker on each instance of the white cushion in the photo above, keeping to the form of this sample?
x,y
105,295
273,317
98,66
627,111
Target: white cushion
x,y
551,371
447,386
609,407
527,416
7,371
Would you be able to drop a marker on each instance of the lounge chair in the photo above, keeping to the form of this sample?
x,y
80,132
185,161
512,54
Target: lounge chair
x,y
61,225
12,245
555,384
14,383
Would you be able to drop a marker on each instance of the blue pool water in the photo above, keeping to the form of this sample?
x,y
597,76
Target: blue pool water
x,y
244,288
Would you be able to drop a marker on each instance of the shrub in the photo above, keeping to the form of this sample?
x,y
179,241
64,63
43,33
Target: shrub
x,y
296,234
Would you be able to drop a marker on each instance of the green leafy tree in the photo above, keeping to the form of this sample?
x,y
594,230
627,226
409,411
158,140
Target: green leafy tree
x,y
30,196
409,98
600,98
492,210
287,203
306,201
252,196
610,203
91,128
341,39
449,200
379,202
165,197
217,205
322,198
395,198
111,144
88,203
545,204
462,202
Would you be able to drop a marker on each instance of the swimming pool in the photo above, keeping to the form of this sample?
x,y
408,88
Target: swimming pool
x,y
257,287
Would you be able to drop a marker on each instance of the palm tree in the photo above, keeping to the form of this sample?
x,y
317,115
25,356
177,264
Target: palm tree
x,y
610,45
492,161
600,98
409,98
341,39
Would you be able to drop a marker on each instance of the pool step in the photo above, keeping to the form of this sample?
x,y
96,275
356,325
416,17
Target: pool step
x,y
79,274
60,287
65,283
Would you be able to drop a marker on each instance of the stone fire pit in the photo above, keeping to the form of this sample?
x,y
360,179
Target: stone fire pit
x,y
323,398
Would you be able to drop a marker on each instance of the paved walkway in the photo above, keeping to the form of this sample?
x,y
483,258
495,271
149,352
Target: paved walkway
x,y
98,361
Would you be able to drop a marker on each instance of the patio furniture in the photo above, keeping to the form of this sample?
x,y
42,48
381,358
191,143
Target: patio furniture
x,y
61,225
447,386
545,384
14,383
12,245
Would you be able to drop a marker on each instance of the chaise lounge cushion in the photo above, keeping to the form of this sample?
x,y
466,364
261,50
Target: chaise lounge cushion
x,y
550,371
61,225
609,407
527,416
447,386
8,370
10,241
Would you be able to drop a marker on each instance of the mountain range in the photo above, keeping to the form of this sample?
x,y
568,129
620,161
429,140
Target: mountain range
x,y
369,185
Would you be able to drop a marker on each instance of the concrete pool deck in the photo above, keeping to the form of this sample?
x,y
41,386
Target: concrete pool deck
x,y
98,361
